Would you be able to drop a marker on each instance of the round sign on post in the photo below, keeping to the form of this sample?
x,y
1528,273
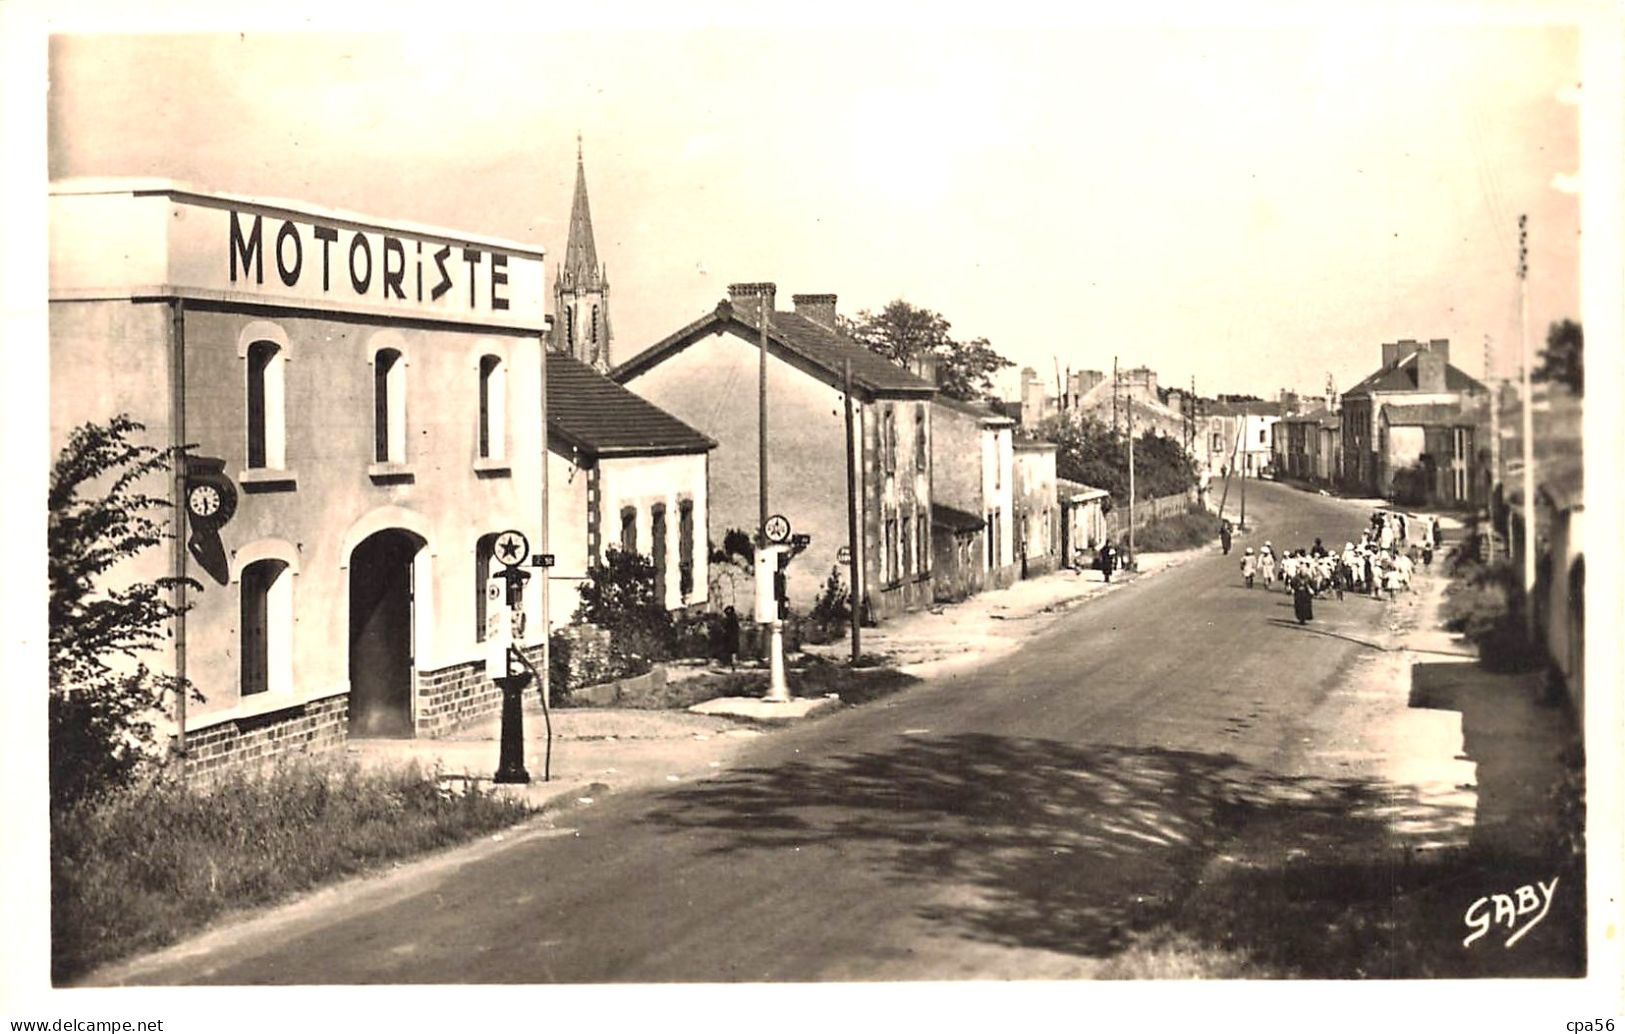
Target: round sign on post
x,y
511,549
843,555
777,529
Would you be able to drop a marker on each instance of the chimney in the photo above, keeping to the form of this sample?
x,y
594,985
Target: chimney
x,y
746,299
1393,352
1440,346
1430,371
820,308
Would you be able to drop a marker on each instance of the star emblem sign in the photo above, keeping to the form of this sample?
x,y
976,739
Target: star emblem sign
x,y
511,548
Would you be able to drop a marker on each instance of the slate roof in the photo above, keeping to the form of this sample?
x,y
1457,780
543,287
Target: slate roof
x,y
955,520
795,339
1073,490
1432,414
980,410
1402,377
590,412
1260,408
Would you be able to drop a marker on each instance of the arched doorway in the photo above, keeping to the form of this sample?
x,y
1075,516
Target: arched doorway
x,y
381,633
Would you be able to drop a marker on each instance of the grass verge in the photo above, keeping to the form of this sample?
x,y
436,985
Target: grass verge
x,y
1182,531
144,867
821,676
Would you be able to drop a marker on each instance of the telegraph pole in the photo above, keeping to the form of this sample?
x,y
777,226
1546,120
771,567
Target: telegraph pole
x,y
1495,449
1131,482
1116,381
1528,432
761,421
1239,435
851,512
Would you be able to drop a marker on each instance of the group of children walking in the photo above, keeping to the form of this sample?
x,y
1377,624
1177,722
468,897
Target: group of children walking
x,y
1382,563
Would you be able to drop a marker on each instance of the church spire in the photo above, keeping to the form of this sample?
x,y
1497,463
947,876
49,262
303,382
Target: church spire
x,y
581,288
580,253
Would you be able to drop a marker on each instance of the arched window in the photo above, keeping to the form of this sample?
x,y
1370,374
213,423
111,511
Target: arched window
x,y
267,443
657,549
629,529
389,406
484,548
493,405
594,338
570,328
266,630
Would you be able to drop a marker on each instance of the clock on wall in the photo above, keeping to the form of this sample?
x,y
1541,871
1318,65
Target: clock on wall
x,y
211,498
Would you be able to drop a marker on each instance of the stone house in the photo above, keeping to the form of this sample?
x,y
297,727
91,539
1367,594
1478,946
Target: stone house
x,y
1083,521
973,461
364,403
621,472
706,374
1037,515
1413,373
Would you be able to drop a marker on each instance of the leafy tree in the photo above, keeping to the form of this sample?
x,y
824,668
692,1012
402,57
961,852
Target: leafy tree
x,y
619,595
1092,453
102,694
903,333
1562,359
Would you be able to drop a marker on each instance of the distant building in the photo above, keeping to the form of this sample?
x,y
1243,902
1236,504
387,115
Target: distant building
x,y
1083,521
581,325
1236,437
973,470
621,473
1309,446
363,404
1037,514
706,375
1413,373
1089,393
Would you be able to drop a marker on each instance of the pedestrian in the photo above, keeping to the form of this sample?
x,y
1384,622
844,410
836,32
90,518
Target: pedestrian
x,y
1224,536
1302,600
1249,566
1438,534
1427,554
1266,565
730,635
1108,557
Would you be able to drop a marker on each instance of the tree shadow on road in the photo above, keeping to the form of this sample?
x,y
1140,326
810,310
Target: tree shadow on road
x,y
1099,851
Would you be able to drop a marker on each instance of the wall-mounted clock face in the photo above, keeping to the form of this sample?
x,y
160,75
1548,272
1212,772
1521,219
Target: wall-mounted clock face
x,y
204,501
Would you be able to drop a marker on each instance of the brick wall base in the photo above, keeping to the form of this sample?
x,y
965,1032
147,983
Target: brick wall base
x,y
462,693
451,696
308,728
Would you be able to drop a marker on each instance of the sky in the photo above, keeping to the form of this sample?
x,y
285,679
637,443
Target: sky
x,y
1257,206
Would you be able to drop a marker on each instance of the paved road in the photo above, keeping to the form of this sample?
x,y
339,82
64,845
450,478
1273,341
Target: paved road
x,y
1022,820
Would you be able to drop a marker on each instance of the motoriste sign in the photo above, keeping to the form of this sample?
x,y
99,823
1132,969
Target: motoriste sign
x,y
166,240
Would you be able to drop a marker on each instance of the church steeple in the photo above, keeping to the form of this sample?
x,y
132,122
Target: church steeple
x,y
581,287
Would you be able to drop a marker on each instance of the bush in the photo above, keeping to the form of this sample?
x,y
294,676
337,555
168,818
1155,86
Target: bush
x,y
103,697
831,612
1184,531
619,596
150,863
1485,604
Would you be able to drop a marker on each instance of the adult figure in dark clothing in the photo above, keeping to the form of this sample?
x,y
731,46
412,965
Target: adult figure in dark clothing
x,y
730,636
1108,558
1303,598
1224,536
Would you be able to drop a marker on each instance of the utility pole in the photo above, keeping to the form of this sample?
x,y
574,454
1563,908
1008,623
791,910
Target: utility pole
x,y
1131,482
1495,449
851,512
1239,436
1116,381
1528,432
761,421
